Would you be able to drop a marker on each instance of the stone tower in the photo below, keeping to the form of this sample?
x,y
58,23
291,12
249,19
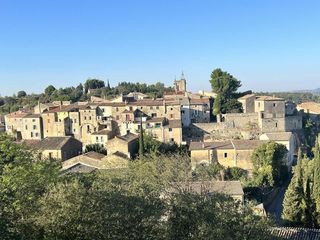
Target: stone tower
x,y
180,85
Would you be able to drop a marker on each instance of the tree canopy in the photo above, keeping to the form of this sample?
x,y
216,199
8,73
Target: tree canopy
x,y
226,87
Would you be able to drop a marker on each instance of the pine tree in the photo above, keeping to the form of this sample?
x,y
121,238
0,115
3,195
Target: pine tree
x,y
294,202
108,85
141,142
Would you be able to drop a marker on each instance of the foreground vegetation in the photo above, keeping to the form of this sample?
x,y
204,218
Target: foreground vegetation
x,y
301,206
37,202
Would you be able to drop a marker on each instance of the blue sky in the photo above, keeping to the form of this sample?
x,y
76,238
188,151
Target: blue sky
x,y
269,45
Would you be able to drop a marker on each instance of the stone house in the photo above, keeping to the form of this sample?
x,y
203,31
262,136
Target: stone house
x,y
32,127
102,137
231,153
14,123
58,148
127,145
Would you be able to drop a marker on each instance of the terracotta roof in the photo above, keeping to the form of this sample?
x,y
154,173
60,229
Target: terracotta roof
x,y
156,119
129,137
230,144
210,145
268,98
32,116
296,233
51,143
312,107
18,114
247,144
102,132
207,187
246,97
279,136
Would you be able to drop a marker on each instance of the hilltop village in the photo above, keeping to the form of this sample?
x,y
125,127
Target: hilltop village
x,y
62,129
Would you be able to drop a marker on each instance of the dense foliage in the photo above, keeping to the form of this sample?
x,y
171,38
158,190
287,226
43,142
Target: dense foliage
x,y
226,87
140,202
96,148
301,206
269,167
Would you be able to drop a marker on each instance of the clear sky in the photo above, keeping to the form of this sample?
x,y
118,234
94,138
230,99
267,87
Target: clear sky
x,y
270,45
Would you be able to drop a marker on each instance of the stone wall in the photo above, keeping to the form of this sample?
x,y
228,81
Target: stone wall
x,y
240,120
293,123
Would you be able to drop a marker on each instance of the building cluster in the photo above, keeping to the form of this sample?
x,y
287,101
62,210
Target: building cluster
x,y
233,138
114,124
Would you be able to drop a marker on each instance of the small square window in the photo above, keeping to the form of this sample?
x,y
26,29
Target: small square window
x,y
170,129
225,155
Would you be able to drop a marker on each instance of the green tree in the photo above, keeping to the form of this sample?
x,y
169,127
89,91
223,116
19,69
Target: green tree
x,y
49,90
225,86
268,161
141,141
316,180
294,204
93,84
95,148
21,94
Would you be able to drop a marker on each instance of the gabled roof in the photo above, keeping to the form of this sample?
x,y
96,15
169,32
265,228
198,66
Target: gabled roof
x,y
312,107
52,143
230,144
296,233
102,132
279,136
268,98
246,97
129,137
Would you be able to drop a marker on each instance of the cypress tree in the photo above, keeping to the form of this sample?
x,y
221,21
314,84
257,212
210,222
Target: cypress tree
x,y
294,202
316,180
141,142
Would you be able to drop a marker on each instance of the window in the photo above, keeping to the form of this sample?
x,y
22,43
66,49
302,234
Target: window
x,y
225,155
157,125
37,134
97,139
50,155
141,107
102,109
171,115
170,129
258,104
276,125
117,109
274,105
90,118
171,139
88,128
157,107
48,120
171,109
33,120
117,117
151,107
34,127
26,127
182,111
101,138
130,108
85,118
75,120
32,134
74,130
153,115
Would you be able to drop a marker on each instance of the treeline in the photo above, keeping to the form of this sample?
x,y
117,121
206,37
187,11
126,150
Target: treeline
x,y
293,96
140,202
79,93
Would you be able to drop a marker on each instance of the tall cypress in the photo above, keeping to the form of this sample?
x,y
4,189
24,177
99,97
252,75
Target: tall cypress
x,y
294,203
141,142
316,180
